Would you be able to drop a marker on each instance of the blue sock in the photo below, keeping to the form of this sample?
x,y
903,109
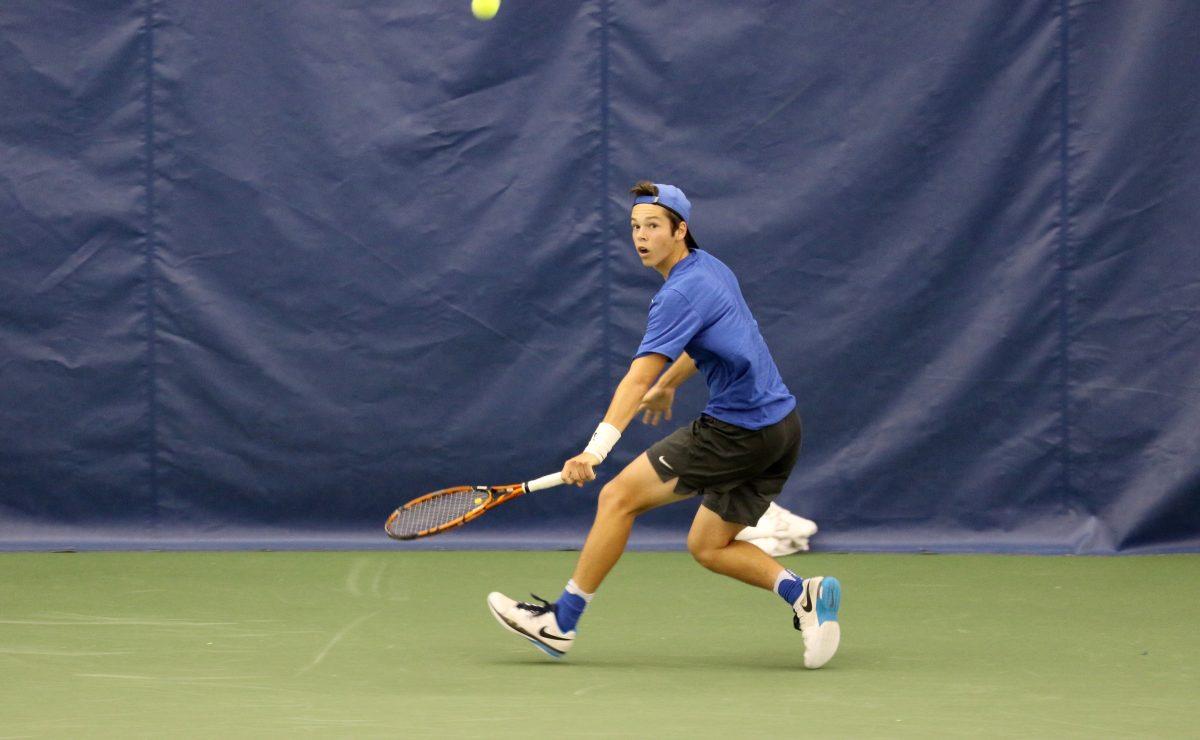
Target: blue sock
x,y
789,586
568,609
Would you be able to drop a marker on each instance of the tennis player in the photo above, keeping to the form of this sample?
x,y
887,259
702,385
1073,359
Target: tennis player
x,y
736,456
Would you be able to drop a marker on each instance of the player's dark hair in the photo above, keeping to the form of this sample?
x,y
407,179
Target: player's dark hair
x,y
645,187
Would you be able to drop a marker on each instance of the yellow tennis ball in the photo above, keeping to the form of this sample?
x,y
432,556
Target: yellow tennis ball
x,y
478,500
485,10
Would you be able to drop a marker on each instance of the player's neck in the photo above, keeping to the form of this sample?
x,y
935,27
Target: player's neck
x,y
664,268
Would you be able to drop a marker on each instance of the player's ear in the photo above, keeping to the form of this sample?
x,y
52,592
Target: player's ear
x,y
681,231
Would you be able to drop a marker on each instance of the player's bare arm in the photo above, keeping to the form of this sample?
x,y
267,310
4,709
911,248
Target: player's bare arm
x,y
626,400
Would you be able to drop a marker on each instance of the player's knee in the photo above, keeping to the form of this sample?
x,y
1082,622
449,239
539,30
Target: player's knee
x,y
703,551
618,499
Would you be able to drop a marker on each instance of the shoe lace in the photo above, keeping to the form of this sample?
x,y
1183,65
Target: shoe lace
x,y
796,622
536,609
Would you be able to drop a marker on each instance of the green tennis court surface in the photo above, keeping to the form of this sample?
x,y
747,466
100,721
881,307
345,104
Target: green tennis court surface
x,y
401,645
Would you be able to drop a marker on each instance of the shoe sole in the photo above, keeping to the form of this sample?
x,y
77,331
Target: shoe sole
x,y
831,636
521,633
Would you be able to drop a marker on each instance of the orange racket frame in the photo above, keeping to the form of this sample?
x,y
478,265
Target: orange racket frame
x,y
493,497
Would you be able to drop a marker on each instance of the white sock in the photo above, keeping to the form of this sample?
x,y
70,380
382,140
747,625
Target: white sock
x,y
784,575
573,588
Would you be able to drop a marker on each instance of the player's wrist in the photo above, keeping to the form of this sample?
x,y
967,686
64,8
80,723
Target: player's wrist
x,y
603,440
665,385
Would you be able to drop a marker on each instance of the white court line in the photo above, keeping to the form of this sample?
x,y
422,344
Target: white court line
x,y
352,577
64,653
336,639
165,679
378,579
96,620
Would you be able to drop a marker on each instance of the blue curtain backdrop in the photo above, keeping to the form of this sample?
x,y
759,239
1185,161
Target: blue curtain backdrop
x,y
269,269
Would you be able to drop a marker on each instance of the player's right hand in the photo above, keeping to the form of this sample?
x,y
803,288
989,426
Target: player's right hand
x,y
579,469
656,405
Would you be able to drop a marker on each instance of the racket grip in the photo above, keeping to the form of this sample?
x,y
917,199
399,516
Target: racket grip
x,y
546,481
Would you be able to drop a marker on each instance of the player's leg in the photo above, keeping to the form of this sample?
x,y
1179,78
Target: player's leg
x,y
711,541
551,626
814,601
635,490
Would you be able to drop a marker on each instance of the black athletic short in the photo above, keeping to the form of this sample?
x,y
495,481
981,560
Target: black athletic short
x,y
738,471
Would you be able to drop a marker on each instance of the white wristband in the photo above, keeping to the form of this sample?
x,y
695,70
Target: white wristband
x,y
603,439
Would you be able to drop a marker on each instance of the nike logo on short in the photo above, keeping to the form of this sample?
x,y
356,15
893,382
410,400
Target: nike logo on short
x,y
663,460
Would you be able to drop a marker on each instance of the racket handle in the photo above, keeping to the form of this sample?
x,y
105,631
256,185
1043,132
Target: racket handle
x,y
546,481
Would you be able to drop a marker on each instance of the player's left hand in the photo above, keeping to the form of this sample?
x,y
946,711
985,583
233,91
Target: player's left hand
x,y
579,469
656,405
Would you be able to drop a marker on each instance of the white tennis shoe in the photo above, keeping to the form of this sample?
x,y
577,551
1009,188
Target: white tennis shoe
x,y
816,618
534,622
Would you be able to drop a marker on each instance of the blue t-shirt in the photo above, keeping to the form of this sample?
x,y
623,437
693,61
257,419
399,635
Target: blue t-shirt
x,y
700,310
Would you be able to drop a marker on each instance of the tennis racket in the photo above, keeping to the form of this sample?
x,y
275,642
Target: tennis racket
x,y
450,507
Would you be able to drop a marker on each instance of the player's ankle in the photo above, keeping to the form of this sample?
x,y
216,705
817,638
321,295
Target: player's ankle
x,y
569,607
789,586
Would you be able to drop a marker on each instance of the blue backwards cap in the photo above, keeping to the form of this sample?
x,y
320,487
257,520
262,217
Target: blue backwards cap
x,y
673,199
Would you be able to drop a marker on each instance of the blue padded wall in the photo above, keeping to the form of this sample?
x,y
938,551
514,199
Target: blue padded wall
x,y
270,269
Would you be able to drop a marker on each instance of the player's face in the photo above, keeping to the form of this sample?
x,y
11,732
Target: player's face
x,y
657,245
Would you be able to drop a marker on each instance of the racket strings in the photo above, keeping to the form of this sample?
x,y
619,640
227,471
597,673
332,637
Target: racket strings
x,y
436,511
